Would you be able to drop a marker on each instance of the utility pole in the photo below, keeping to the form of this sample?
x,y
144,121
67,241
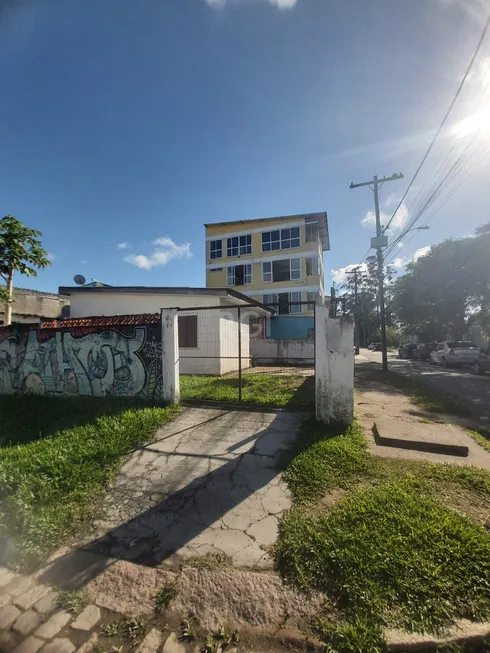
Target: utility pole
x,y
355,272
378,243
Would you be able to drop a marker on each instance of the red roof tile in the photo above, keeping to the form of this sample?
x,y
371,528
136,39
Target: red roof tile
x,y
102,320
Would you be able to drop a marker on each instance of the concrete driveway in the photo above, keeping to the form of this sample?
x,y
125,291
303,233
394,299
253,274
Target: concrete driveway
x,y
467,389
208,484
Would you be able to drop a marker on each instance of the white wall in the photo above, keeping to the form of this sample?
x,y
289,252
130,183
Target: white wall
x,y
334,367
203,359
288,350
86,304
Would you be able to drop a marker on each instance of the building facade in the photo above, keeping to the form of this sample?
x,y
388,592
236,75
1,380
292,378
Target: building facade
x,y
274,261
32,306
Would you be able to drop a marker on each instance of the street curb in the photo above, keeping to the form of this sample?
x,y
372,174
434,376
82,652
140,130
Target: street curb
x,y
419,445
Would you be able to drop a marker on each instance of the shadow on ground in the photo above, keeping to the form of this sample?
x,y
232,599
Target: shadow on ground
x,y
234,486
24,418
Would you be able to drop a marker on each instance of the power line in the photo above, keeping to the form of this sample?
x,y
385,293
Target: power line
x,y
458,92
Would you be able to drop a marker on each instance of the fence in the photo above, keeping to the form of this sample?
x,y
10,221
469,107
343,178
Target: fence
x,y
219,362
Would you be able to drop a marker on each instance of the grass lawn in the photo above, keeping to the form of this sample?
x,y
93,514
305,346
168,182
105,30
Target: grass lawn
x,y
392,543
56,456
292,391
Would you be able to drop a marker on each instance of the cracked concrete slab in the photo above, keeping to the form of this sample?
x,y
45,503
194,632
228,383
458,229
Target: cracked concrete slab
x,y
208,484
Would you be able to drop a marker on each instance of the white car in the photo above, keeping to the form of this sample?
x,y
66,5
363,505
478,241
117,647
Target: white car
x,y
452,352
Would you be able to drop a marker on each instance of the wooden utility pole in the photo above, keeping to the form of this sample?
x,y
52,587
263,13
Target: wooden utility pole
x,y
378,243
355,272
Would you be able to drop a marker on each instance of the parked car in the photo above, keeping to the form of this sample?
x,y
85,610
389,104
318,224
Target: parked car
x,y
423,350
376,346
454,352
482,363
406,351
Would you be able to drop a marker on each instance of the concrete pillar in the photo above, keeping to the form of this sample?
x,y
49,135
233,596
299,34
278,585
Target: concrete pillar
x,y
170,356
334,367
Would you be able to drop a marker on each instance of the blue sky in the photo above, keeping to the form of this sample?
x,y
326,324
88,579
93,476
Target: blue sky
x,y
125,126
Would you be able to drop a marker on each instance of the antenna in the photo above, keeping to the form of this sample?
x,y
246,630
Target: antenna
x,y
79,279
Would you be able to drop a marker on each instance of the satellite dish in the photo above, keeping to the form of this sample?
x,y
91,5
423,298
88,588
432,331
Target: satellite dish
x,y
79,279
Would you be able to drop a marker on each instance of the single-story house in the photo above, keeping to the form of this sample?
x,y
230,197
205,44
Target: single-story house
x,y
208,337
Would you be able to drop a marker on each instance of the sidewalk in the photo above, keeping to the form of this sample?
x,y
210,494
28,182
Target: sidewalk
x,y
389,416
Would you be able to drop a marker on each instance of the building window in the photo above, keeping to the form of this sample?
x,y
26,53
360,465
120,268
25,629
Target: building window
x,y
240,275
295,266
313,298
215,249
311,232
280,239
188,331
267,272
270,299
239,245
283,301
298,308
283,270
312,267
311,333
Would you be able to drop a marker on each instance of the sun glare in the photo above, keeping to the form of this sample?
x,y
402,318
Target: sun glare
x,y
478,122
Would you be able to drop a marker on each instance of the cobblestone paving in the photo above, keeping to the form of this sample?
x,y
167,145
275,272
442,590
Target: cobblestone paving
x,y
208,484
30,622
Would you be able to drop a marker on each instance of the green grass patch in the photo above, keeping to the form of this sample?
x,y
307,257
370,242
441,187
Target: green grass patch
x,y
390,552
482,437
73,601
283,391
48,485
334,460
391,555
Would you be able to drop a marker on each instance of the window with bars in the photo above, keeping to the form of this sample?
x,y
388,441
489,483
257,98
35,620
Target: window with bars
x,y
239,245
280,239
240,275
283,270
312,267
188,331
215,249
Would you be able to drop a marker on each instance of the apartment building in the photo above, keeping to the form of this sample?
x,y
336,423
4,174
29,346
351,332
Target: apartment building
x,y
273,260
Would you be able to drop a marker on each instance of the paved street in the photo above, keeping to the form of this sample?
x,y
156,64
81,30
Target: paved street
x,y
468,389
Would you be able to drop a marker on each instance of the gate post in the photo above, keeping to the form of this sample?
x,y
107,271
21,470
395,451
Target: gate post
x,y
170,356
334,367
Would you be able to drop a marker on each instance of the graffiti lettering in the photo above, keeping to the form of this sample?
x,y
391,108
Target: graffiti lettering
x,y
120,362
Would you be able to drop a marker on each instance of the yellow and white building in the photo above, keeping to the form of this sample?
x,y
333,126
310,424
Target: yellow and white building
x,y
273,260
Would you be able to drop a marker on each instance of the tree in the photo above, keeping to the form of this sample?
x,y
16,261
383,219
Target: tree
x,y
20,251
444,292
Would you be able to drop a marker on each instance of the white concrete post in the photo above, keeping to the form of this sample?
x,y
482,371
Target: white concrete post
x,y
334,367
170,356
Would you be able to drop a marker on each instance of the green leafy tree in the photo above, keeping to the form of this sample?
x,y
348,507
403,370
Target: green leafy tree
x,y
447,290
20,251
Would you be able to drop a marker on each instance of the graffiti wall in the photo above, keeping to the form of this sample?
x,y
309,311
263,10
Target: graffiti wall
x,y
120,361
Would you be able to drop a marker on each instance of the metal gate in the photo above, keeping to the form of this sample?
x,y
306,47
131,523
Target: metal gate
x,y
228,356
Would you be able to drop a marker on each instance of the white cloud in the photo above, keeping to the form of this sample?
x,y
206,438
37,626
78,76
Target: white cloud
x,y
403,261
124,245
165,250
51,257
422,251
340,275
400,244
281,4
369,220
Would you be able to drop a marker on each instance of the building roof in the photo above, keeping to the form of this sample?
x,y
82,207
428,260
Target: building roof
x,y
321,217
227,293
102,320
29,291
